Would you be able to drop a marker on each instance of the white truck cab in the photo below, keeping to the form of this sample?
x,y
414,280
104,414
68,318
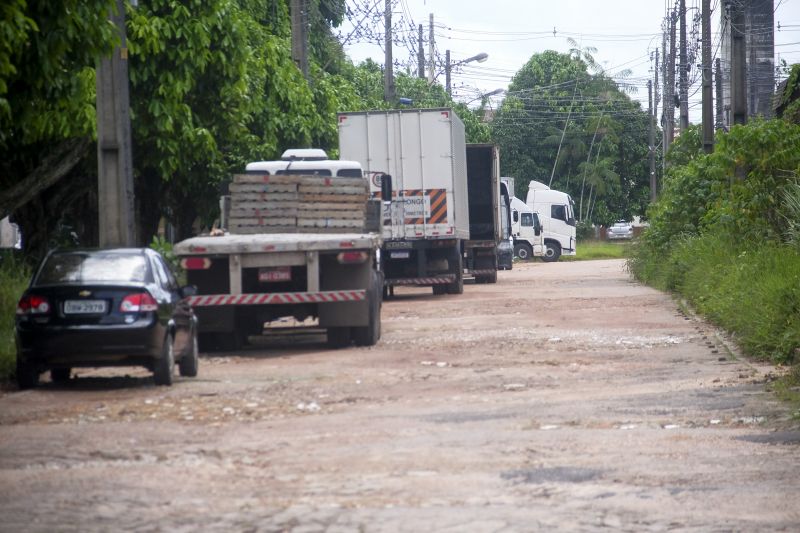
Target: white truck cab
x,y
557,214
526,230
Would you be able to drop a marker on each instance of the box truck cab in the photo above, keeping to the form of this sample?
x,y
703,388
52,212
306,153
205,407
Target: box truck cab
x,y
557,215
526,230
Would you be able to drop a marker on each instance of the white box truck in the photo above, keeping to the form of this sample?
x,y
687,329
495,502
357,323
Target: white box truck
x,y
424,152
557,214
300,253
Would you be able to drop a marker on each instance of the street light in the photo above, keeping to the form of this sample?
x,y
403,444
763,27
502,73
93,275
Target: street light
x,y
480,58
483,96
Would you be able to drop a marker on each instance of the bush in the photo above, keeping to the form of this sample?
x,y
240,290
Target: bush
x,y
14,278
727,242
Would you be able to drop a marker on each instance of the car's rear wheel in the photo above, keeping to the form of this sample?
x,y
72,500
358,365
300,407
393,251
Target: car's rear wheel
x,y
60,375
189,362
165,365
27,375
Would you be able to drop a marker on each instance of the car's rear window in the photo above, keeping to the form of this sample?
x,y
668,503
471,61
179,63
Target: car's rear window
x,y
81,268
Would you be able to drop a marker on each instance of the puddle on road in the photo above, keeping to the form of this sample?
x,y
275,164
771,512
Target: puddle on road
x,y
558,474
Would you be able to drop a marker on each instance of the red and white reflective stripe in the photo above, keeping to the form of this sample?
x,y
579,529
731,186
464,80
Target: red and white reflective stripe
x,y
438,280
208,300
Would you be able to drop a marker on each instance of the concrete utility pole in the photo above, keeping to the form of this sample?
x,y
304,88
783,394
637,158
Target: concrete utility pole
x,y
420,56
664,101
718,87
117,223
738,63
431,53
388,80
652,142
669,87
299,14
708,112
447,73
683,71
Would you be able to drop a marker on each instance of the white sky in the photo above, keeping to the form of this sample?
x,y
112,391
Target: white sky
x,y
624,32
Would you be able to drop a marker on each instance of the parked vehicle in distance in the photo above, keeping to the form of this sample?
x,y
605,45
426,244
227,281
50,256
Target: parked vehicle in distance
x,y
556,211
526,230
98,308
621,229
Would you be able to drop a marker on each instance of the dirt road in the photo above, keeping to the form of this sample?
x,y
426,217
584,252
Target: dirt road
x,y
595,404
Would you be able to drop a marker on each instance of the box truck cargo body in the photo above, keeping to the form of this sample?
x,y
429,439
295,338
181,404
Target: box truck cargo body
x,y
485,230
423,150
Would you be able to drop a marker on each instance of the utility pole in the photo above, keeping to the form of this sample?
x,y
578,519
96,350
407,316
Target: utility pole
x,y
669,110
447,73
117,221
388,81
656,96
299,14
664,101
420,56
718,87
738,63
683,70
708,111
651,142
431,52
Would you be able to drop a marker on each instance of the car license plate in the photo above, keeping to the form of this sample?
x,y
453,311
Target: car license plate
x,y
268,275
84,307
404,254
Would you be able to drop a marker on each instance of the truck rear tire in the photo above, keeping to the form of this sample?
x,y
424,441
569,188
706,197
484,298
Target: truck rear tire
x,y
370,334
523,251
338,337
457,287
552,251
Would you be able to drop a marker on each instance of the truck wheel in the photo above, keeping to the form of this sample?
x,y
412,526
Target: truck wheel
x,y
27,375
457,287
523,251
370,334
165,365
439,289
338,337
60,375
188,364
552,251
491,278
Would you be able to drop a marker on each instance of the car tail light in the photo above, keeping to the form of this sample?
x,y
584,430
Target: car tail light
x,y
351,257
33,305
139,302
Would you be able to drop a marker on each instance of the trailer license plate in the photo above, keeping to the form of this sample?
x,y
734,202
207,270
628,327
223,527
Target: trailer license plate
x,y
268,275
84,307
403,254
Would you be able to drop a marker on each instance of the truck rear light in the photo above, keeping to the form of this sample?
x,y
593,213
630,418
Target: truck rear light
x,y
347,258
33,304
138,302
196,263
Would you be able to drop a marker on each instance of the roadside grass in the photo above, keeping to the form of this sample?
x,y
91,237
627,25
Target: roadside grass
x,y
14,278
595,249
751,290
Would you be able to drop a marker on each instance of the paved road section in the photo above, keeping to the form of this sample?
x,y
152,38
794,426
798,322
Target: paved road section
x,y
565,397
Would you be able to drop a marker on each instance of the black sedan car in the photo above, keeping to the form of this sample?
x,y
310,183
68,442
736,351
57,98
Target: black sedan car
x,y
96,308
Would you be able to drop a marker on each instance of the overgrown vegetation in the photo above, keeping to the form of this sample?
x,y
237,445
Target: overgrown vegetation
x,y
14,277
724,235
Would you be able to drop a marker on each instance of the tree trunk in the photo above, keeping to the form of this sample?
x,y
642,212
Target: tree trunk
x,y
58,162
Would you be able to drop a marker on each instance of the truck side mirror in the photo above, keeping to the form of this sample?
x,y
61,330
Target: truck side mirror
x,y
386,187
516,216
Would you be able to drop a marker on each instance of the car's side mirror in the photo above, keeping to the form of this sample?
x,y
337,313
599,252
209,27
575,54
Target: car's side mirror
x,y
188,290
386,187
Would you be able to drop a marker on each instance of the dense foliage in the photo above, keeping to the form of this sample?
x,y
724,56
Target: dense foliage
x,y
724,234
568,125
